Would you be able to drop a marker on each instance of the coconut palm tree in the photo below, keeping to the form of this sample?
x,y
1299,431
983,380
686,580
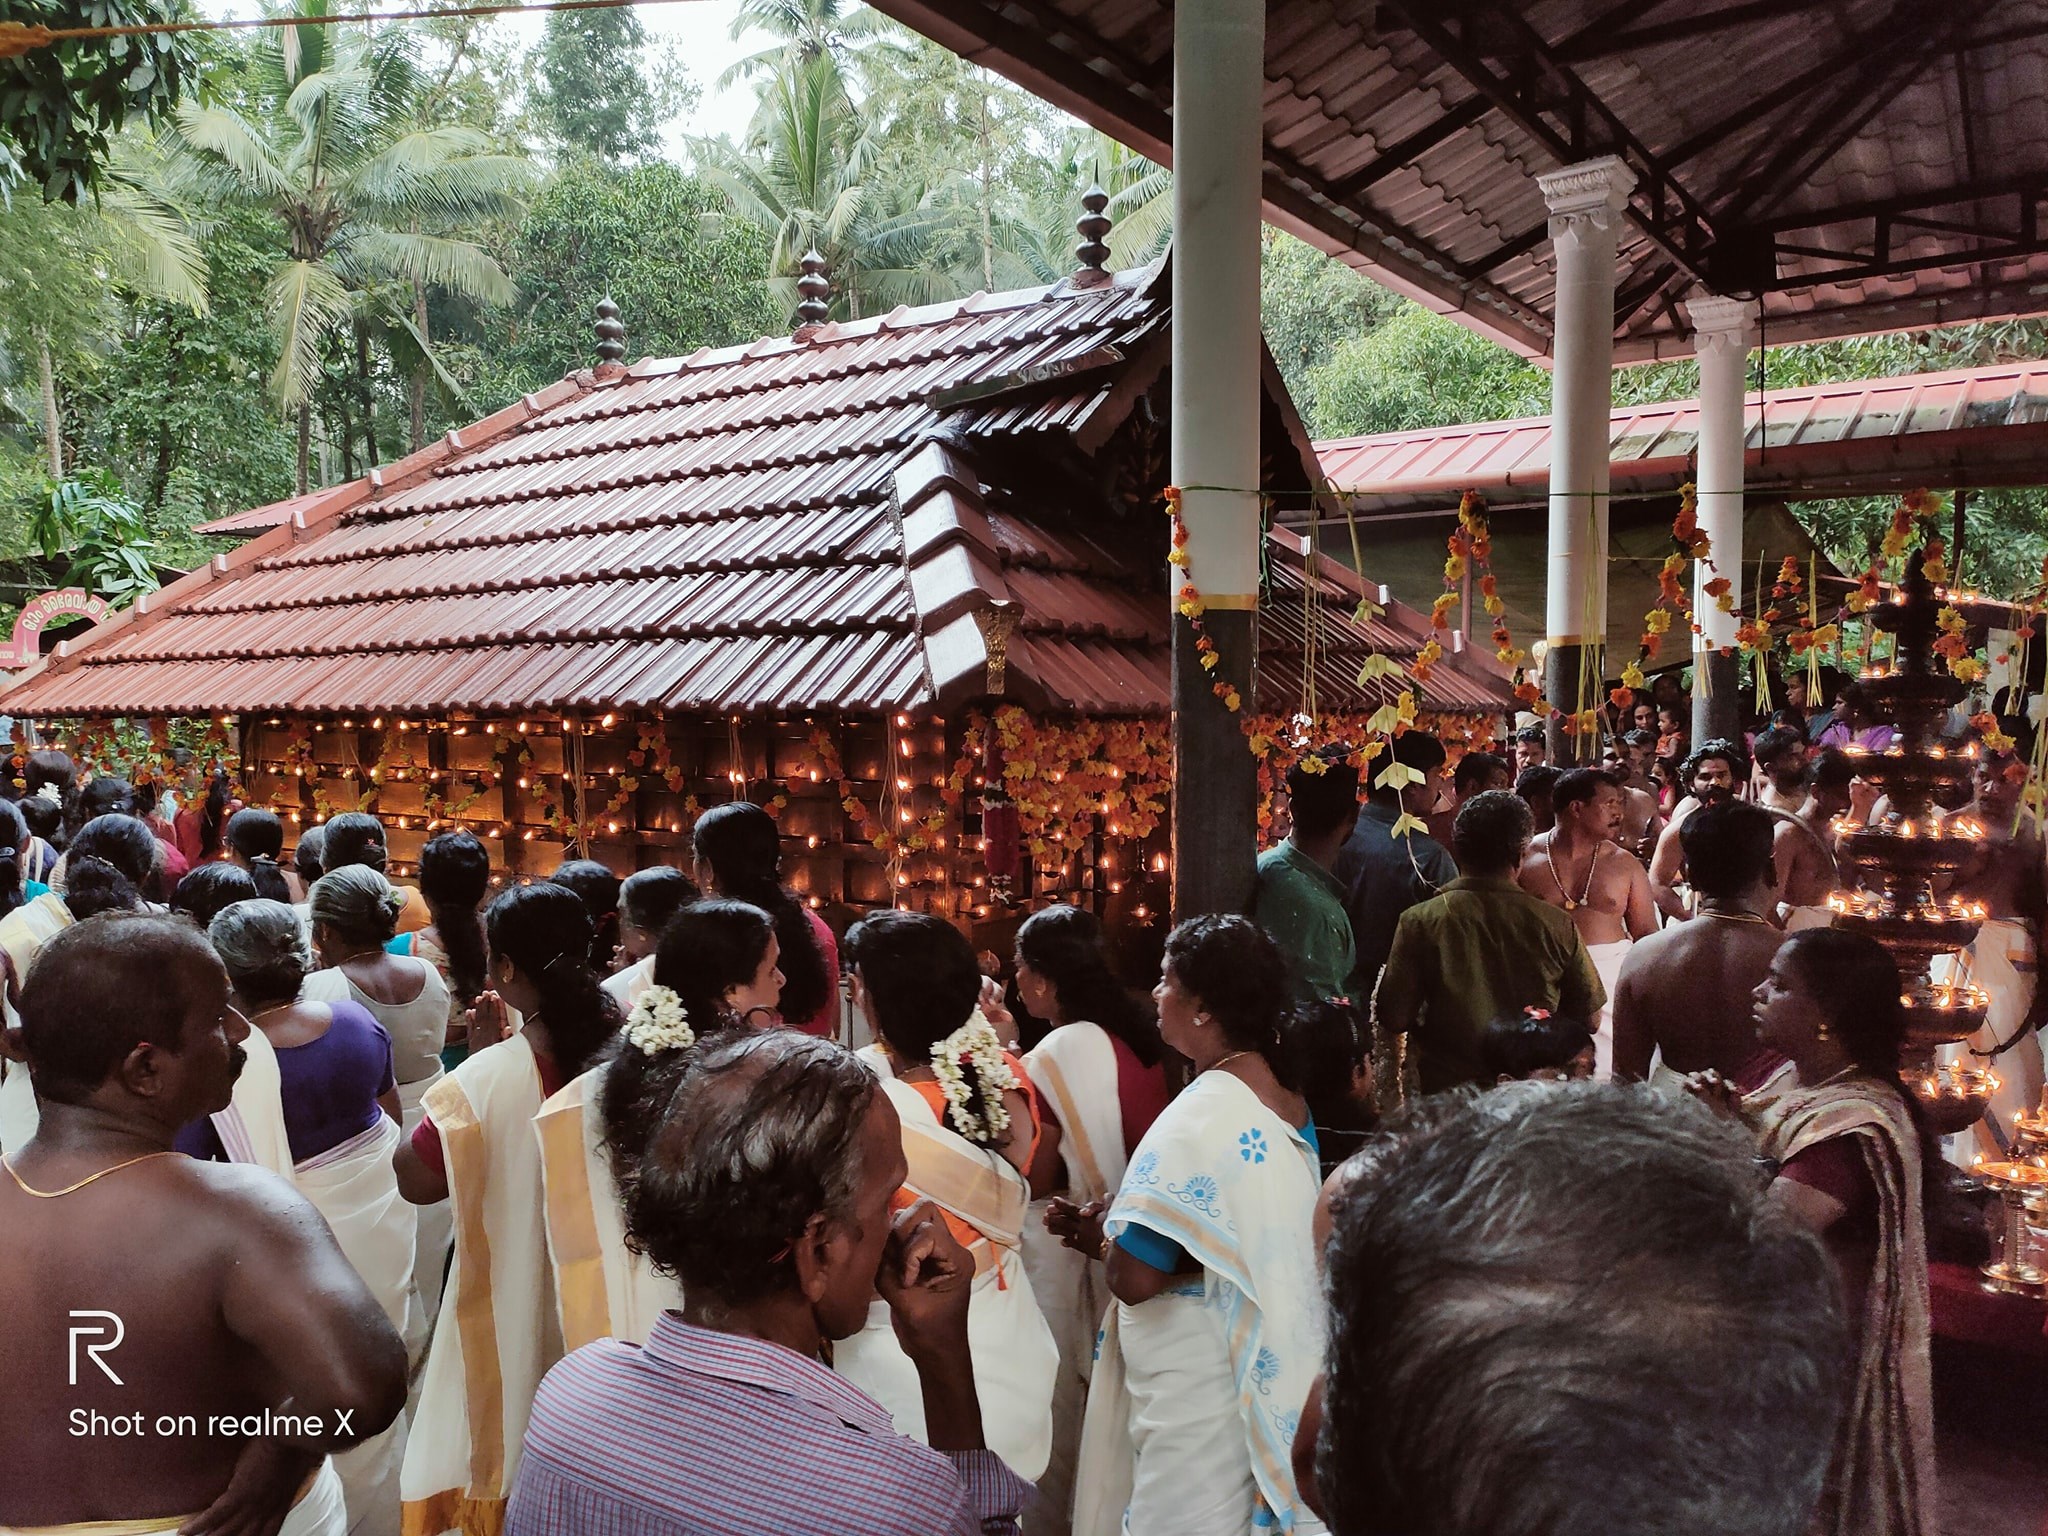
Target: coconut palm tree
x,y
811,175
804,31
59,262
325,138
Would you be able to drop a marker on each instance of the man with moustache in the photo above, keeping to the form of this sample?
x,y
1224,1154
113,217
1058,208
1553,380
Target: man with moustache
x,y
1712,775
1580,868
1780,757
188,1344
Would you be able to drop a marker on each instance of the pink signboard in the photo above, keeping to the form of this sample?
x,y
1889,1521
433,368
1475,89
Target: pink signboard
x,y
38,613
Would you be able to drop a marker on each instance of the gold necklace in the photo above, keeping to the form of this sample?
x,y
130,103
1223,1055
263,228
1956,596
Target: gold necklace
x,y
1735,917
1585,896
93,1178
1224,1061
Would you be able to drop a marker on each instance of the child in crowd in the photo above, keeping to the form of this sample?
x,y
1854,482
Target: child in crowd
x,y
1537,1047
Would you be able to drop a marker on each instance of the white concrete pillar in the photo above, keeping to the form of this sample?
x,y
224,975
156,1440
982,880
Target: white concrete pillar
x,y
1722,330
1219,50
1585,203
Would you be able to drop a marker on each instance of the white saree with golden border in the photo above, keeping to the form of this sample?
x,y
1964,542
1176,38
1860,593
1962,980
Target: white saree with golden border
x,y
603,1290
497,1334
1015,1359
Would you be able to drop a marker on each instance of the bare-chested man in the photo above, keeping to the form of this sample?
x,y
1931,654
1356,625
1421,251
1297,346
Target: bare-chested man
x,y
1579,867
1805,848
1712,776
1476,773
1684,994
186,1344
2006,876
1627,760
1779,776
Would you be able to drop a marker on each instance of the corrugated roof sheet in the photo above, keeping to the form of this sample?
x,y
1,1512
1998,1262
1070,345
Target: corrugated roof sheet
x,y
791,524
1782,124
1973,426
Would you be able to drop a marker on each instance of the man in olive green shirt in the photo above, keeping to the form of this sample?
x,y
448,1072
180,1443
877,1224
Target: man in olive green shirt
x,y
1483,950
1299,901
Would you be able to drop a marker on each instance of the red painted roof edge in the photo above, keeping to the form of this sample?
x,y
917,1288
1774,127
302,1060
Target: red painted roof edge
x,y
349,495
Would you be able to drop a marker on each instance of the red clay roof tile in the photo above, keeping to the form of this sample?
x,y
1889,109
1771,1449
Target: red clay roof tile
x,y
792,524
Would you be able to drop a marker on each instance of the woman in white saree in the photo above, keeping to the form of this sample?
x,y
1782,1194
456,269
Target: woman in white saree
x,y
970,1124
1101,1082
338,1099
1217,1335
715,972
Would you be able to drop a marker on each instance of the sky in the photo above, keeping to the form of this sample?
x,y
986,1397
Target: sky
x,y
701,31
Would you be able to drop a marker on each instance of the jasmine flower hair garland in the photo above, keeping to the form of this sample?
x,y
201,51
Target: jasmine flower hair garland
x,y
659,1022
974,1046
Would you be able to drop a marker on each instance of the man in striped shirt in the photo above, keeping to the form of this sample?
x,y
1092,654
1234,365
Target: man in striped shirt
x,y
765,1189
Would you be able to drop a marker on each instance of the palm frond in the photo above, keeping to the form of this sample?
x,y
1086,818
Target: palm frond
x,y
237,145
456,265
305,302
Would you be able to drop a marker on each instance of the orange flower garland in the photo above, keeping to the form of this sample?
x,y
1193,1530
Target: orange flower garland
x,y
1189,601
1469,548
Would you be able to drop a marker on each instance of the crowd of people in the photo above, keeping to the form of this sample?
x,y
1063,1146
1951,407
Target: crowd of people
x,y
1528,1159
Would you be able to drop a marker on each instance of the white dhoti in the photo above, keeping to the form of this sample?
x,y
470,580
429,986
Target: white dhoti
x,y
2002,962
434,1239
354,1188
317,1513
18,1113
1607,960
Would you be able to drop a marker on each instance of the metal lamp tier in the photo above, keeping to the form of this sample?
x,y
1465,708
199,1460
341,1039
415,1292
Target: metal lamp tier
x,y
1899,858
2022,1185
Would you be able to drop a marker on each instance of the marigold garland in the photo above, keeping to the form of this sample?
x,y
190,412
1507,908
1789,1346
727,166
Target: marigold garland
x,y
1188,600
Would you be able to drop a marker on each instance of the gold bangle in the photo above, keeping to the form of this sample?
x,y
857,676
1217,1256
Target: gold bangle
x,y
1103,1252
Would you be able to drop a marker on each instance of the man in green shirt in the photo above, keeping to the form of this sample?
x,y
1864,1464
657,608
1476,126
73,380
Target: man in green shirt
x,y
1299,901
1485,949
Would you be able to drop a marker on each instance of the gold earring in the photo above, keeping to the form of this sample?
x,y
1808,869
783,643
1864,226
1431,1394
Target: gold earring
x,y
1821,1034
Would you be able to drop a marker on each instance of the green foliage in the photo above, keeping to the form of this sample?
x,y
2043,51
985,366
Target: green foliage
x,y
178,409
375,205
1418,369
1309,306
89,519
60,105
597,91
649,237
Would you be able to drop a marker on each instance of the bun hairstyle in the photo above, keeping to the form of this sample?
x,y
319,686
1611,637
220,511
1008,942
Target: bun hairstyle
x,y
743,846
705,949
110,861
599,888
257,836
309,854
263,945
358,904
211,889
923,984
103,796
13,848
544,931
1238,974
